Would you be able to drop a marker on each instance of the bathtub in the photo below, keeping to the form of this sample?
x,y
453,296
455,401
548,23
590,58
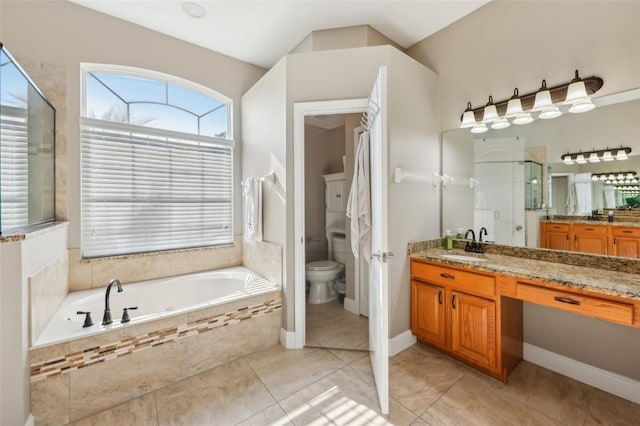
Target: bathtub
x,y
155,299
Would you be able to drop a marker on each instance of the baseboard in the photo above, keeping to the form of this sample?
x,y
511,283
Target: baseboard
x,y
287,339
351,306
401,342
615,384
30,421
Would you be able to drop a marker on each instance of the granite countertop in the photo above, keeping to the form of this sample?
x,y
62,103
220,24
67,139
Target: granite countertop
x,y
616,222
613,283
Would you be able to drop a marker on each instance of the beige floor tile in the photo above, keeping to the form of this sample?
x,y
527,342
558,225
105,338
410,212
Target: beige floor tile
x,y
474,401
329,325
417,378
342,399
607,409
348,356
138,412
272,416
557,396
287,371
420,422
224,395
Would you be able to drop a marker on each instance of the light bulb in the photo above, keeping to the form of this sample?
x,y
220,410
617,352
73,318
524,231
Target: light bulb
x,y
580,159
583,105
523,118
479,128
468,118
593,158
543,98
490,112
500,123
607,156
567,160
549,113
621,155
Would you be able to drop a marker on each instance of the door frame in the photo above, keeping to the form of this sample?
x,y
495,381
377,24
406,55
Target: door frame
x,y
300,111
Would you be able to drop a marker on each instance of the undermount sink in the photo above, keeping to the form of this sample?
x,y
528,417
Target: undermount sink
x,y
463,258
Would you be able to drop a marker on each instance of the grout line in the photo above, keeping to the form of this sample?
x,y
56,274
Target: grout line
x,y
155,405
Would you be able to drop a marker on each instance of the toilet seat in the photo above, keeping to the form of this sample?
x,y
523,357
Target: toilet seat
x,y
321,265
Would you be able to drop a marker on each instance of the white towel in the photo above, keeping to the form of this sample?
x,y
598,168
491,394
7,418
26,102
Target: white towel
x,y
252,209
359,203
609,197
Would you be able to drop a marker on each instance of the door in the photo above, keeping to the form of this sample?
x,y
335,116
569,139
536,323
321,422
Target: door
x,y
588,243
427,312
473,328
378,267
626,247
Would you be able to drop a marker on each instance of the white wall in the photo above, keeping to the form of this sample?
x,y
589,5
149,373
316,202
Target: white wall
x,y
60,32
414,143
19,261
508,44
493,50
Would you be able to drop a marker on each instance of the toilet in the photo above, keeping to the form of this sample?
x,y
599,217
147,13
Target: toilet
x,y
322,274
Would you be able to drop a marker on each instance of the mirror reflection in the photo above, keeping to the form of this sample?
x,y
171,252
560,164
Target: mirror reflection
x,y
513,177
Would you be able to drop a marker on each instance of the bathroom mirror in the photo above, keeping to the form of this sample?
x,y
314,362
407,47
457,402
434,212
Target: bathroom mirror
x,y
615,122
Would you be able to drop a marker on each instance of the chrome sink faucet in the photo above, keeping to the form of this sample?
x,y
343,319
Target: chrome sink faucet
x,y
106,318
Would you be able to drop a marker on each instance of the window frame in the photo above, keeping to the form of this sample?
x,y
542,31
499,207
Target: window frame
x,y
228,141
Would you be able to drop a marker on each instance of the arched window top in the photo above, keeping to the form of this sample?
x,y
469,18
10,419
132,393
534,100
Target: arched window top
x,y
152,99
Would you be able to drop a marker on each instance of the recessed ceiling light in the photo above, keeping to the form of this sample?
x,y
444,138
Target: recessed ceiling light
x,y
194,10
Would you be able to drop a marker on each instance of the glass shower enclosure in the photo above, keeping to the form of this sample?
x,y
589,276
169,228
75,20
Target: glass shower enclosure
x,y
27,150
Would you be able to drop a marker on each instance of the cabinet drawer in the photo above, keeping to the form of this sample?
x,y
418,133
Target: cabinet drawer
x,y
619,231
586,305
590,229
470,282
557,227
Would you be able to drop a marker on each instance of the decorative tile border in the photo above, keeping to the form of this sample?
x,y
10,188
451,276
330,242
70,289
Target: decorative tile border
x,y
113,350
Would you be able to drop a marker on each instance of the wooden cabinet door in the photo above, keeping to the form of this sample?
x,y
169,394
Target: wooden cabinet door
x,y
427,313
473,328
556,240
587,243
626,241
626,247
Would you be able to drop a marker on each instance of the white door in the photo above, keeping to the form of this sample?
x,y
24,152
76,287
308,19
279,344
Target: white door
x,y
379,268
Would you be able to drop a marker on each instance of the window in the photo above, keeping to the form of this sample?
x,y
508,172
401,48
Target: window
x,y
157,163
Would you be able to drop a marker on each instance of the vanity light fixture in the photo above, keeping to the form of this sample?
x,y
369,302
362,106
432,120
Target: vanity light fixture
x,y
597,155
614,178
545,101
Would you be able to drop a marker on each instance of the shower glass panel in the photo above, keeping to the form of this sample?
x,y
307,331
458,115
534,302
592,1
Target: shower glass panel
x,y
27,148
532,185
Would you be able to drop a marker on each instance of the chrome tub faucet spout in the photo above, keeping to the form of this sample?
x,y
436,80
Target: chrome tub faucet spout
x,y
106,318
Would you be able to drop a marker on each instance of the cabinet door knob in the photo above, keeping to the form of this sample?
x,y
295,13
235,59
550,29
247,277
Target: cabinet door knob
x,y
440,297
567,300
447,276
453,301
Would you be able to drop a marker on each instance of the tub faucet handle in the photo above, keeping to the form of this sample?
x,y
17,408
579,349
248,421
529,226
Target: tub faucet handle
x,y
88,322
125,314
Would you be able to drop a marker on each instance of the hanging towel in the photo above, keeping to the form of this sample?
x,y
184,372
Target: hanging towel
x,y
252,209
571,195
359,203
609,197
582,184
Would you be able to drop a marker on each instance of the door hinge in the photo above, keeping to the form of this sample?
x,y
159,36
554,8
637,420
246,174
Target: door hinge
x,y
383,257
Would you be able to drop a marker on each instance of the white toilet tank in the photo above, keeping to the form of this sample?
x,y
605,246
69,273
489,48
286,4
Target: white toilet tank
x,y
339,246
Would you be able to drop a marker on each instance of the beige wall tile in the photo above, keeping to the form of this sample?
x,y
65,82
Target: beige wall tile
x,y
127,378
200,260
128,269
222,344
80,273
48,288
50,401
263,258
48,352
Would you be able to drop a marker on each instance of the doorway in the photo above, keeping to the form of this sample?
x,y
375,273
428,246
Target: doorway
x,y
333,293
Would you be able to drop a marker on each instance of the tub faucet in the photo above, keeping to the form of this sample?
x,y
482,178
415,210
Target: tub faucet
x,y
106,319
470,247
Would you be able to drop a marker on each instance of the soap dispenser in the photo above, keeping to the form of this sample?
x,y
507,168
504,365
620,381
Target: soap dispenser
x,y
447,241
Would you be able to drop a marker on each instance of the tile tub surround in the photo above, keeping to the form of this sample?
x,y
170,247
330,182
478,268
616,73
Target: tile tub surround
x,y
47,289
88,375
264,258
97,272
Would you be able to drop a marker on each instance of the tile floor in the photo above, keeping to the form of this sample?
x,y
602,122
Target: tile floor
x,y
329,325
318,386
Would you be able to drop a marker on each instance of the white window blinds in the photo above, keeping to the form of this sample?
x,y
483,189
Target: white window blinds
x,y
146,189
14,177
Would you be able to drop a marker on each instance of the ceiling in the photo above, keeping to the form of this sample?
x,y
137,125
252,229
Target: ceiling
x,y
263,31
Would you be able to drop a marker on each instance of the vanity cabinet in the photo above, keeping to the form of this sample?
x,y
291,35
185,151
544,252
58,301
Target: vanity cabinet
x,y
555,236
625,242
455,310
590,238
429,325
